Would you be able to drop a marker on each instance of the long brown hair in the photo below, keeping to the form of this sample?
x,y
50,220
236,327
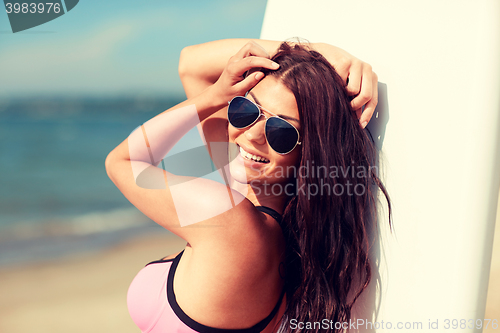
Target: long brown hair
x,y
327,265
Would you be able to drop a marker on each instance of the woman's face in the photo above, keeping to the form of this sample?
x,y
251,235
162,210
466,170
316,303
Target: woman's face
x,y
272,95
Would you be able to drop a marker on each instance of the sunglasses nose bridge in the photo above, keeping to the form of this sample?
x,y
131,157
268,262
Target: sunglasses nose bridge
x,y
258,120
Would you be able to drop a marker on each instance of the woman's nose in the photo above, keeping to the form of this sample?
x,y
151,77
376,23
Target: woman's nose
x,y
256,132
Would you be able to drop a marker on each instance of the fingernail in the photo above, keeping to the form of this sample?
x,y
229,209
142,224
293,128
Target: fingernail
x,y
259,76
363,124
275,65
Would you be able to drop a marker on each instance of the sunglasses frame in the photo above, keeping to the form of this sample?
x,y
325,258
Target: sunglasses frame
x,y
260,108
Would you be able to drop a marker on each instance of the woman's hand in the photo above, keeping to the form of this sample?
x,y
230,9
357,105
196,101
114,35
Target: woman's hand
x,y
232,82
360,79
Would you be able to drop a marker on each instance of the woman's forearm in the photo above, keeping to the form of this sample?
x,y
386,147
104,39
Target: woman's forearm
x,y
208,60
201,65
153,140
133,166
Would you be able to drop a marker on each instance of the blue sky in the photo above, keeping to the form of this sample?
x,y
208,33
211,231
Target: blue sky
x,y
113,48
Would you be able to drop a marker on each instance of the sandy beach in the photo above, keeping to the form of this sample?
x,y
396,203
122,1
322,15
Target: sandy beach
x,y
81,294
87,293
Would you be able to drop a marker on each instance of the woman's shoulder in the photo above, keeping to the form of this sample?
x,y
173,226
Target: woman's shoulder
x,y
243,241
251,249
223,217
246,264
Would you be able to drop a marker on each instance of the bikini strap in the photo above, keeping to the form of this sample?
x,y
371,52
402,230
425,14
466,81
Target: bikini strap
x,y
198,327
271,212
163,260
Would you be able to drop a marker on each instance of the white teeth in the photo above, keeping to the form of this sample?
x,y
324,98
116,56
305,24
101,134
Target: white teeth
x,y
249,156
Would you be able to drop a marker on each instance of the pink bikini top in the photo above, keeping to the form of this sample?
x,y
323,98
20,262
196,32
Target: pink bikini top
x,y
153,307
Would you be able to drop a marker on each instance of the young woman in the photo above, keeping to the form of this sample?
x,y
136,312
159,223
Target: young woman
x,y
285,240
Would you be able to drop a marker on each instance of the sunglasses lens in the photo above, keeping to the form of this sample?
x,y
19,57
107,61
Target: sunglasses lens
x,y
241,112
281,136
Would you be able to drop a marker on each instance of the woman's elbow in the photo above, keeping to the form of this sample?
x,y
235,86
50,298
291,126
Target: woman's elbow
x,y
109,165
183,62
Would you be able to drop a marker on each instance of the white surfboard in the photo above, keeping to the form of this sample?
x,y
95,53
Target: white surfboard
x,y
438,65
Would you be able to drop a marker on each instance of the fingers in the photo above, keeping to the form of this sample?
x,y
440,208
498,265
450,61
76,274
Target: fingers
x,y
363,83
251,49
250,81
239,67
365,92
355,76
359,112
367,114
233,81
251,56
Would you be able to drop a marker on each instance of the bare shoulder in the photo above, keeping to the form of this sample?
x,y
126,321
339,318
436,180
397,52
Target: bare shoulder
x,y
240,228
246,263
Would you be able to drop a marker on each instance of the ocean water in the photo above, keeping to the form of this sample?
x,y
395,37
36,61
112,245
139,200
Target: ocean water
x,y
55,196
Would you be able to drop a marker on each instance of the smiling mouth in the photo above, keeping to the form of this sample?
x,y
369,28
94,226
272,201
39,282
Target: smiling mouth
x,y
252,157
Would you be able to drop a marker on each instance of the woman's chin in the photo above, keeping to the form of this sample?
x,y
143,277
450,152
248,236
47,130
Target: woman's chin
x,y
238,173
244,176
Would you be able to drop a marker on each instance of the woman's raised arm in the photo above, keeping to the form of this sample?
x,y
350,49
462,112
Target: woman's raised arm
x,y
201,65
175,201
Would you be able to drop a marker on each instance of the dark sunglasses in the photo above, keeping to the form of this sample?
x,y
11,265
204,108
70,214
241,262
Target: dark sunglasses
x,y
280,134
